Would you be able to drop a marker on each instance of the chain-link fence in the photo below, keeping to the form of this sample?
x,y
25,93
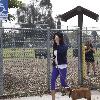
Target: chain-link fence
x,y
93,35
25,53
25,61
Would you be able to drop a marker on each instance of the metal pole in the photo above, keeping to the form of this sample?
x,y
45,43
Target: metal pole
x,y
80,72
86,30
48,59
67,29
86,34
1,61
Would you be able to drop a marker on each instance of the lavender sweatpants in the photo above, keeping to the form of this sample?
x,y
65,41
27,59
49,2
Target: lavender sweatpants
x,y
55,73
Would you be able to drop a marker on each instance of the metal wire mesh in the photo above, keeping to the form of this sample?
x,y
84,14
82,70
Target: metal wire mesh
x,y
27,64
24,61
93,36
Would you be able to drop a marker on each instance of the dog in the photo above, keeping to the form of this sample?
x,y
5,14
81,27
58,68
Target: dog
x,y
79,93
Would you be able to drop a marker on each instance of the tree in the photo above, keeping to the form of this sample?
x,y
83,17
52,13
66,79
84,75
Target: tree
x,y
28,15
49,20
14,3
45,3
46,14
21,13
33,14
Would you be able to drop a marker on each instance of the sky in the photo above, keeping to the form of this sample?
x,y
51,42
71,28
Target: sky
x,y
62,6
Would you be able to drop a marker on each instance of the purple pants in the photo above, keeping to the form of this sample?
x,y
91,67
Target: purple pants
x,y
55,73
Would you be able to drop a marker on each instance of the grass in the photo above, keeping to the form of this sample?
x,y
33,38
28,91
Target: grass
x,y
18,53
30,53
97,53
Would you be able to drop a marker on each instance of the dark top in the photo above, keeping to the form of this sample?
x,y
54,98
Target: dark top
x,y
89,57
61,54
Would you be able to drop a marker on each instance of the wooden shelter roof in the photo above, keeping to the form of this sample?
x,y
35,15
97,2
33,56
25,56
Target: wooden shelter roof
x,y
76,11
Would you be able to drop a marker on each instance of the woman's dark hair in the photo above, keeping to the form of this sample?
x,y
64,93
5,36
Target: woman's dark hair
x,y
88,44
61,41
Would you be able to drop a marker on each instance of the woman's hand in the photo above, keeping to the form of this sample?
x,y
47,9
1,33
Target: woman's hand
x,y
57,39
87,50
52,59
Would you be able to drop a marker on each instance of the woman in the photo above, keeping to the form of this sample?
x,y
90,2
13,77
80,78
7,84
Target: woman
x,y
89,57
59,62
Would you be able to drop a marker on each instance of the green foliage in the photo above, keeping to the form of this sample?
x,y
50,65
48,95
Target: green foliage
x,y
36,15
45,3
97,53
14,3
11,17
18,53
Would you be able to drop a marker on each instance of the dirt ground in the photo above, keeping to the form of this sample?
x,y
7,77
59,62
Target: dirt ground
x,y
30,76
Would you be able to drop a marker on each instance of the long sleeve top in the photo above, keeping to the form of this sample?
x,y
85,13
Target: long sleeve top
x,y
61,57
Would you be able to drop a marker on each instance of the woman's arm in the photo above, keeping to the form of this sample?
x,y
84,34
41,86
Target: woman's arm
x,y
90,48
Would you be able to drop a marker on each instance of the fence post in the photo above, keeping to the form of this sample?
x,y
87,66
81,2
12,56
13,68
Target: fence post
x,y
80,69
67,29
83,62
1,61
48,58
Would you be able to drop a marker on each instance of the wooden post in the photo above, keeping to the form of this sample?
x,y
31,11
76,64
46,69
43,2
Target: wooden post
x,y
80,72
